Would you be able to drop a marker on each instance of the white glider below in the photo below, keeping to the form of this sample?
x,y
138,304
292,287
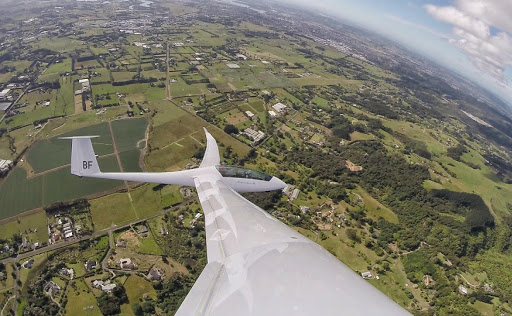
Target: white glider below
x,y
256,264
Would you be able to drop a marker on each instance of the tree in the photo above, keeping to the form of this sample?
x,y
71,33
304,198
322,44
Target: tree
x,y
231,129
352,234
137,309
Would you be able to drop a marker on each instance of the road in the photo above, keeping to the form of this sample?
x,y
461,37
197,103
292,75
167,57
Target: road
x,y
93,235
26,90
6,304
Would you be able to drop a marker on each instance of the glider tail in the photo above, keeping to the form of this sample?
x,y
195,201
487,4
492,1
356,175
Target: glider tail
x,y
83,159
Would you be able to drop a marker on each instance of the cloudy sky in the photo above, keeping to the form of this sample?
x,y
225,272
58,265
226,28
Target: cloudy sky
x,y
472,37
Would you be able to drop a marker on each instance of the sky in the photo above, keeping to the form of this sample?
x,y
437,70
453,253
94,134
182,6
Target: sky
x,y
471,37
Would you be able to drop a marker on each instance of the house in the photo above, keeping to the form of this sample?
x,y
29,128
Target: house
x,y
463,290
77,92
154,275
51,288
233,66
121,243
304,209
143,229
280,108
89,265
105,286
66,272
126,263
162,230
272,113
108,288
367,275
28,264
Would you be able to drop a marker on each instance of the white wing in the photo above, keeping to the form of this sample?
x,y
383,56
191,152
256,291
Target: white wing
x,y
211,155
259,266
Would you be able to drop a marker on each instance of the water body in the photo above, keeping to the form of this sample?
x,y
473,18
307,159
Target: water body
x,y
243,5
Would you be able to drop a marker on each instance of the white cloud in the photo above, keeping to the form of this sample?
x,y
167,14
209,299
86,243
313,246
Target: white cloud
x,y
472,21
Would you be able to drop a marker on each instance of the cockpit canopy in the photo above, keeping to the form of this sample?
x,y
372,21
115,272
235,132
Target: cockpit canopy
x,y
241,172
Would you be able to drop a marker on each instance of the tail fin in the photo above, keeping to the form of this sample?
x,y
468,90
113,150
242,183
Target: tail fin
x,y
83,159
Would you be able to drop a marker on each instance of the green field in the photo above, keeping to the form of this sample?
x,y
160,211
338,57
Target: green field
x,y
130,160
128,132
136,287
81,301
17,194
119,211
61,185
54,152
61,103
24,224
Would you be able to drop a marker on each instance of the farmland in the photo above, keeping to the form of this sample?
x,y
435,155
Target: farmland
x,y
50,180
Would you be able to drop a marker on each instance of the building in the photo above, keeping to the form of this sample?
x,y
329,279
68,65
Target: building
x,y
5,166
367,275
154,275
66,272
241,57
280,108
86,86
304,209
4,94
272,113
28,264
51,288
256,136
295,194
105,286
143,229
233,66
249,114
89,265
126,263
463,290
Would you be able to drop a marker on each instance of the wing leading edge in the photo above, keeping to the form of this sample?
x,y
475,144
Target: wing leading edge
x,y
259,266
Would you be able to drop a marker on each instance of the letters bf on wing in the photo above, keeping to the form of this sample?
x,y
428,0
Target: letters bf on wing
x,y
87,164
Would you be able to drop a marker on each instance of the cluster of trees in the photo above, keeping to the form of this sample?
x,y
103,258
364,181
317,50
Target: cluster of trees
x,y
110,303
38,303
73,208
456,152
399,185
413,146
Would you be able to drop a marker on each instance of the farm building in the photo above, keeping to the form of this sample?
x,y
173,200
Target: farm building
x,y
5,166
295,194
280,108
249,114
233,66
